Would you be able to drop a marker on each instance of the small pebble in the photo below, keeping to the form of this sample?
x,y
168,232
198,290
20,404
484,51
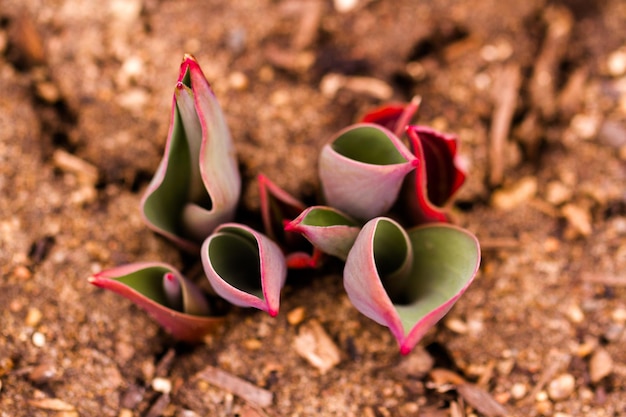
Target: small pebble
x,y
551,244
47,91
585,126
22,272
125,412
575,314
162,385
252,344
296,316
579,218
238,81
561,387
456,325
541,396
616,63
619,315
33,317
515,195
39,339
557,193
544,407
519,390
343,6
600,365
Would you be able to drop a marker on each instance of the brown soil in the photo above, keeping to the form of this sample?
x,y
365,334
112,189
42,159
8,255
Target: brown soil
x,y
536,91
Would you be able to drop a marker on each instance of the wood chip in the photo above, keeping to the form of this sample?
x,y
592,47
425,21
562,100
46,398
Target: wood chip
x,y
604,279
544,79
481,400
506,93
441,376
238,386
159,406
67,162
314,345
52,404
332,83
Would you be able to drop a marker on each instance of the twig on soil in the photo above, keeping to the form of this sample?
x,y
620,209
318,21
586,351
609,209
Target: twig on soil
x,y
610,280
481,400
543,82
310,17
506,92
165,363
240,387
159,406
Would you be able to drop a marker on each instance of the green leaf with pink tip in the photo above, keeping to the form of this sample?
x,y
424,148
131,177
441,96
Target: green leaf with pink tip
x,y
244,267
197,184
362,170
327,229
443,261
172,300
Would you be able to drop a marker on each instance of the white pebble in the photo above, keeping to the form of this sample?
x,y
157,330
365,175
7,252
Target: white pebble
x,y
561,387
39,339
619,315
162,385
343,6
518,390
616,63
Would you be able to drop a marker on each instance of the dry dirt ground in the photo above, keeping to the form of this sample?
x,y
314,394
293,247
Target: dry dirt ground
x,y
536,91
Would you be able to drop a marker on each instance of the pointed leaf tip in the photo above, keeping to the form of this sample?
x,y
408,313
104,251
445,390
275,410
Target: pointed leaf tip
x,y
145,285
328,229
197,184
445,260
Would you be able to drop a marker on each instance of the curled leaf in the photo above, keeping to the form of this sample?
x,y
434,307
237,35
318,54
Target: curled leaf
x,y
327,229
362,170
244,267
197,184
170,298
278,208
430,187
444,260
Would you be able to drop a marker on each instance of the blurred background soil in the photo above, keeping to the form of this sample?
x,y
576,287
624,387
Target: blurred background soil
x,y
536,92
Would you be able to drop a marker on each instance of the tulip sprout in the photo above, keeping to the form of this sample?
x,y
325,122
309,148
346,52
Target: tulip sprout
x,y
406,279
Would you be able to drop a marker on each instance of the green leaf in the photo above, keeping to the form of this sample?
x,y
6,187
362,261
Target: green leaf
x,y
244,267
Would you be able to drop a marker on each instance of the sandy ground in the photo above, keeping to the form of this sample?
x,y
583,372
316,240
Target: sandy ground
x,y
536,92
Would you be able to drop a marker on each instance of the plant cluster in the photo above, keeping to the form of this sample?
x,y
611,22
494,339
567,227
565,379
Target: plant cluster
x,y
373,186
